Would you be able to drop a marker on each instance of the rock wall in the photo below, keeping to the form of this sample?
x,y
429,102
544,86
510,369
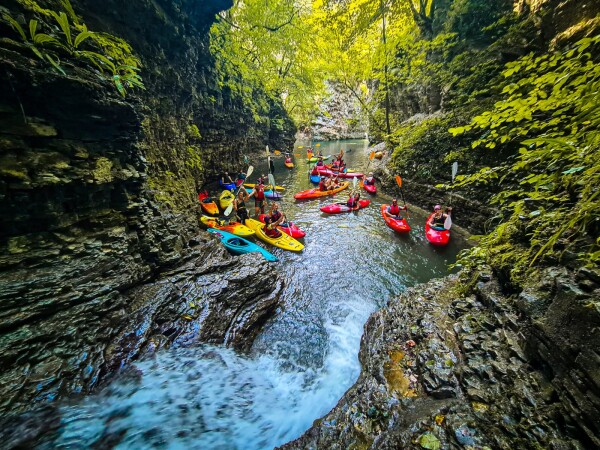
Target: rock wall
x,y
446,367
98,198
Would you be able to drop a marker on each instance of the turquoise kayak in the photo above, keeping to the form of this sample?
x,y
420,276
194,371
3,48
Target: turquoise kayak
x,y
239,245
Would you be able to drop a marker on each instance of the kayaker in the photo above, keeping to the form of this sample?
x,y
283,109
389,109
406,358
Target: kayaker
x,y
323,184
369,180
259,197
353,201
226,179
241,177
320,162
239,204
274,219
438,218
394,209
333,183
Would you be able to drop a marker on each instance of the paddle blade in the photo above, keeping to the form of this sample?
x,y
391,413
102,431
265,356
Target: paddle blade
x,y
249,171
277,152
354,181
271,180
399,181
300,146
371,155
228,209
447,222
454,170
268,150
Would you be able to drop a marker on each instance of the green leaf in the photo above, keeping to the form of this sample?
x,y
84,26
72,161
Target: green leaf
x,y
15,25
82,37
429,441
32,28
573,170
63,22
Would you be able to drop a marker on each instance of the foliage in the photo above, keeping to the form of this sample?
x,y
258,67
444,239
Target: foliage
x,y
105,52
550,116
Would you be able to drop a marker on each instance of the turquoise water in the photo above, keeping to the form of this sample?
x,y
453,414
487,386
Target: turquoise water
x,y
210,397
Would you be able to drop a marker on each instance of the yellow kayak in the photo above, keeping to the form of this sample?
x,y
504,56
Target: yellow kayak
x,y
225,199
268,187
284,241
233,227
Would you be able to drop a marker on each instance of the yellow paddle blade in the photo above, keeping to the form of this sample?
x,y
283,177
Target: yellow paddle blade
x,y
399,181
301,146
277,152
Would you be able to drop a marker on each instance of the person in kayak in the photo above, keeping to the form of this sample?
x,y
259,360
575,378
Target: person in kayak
x,y
333,183
353,201
241,177
320,162
239,204
259,197
438,218
226,178
323,185
274,219
394,210
369,180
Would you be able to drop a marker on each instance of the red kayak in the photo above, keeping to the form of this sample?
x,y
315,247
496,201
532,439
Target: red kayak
x,y
399,225
329,173
370,188
289,228
338,208
436,236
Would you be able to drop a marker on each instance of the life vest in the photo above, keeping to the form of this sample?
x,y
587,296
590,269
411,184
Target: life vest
x,y
351,202
394,210
275,216
370,181
241,205
322,186
260,193
320,163
439,221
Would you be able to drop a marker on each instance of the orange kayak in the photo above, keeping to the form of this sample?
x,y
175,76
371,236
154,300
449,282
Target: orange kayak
x,y
207,204
316,193
233,227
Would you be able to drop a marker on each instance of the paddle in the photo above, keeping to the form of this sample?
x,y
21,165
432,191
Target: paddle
x,y
230,207
277,152
448,221
371,156
399,182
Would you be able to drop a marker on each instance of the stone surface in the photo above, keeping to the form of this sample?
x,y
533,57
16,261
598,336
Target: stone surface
x,y
100,259
468,370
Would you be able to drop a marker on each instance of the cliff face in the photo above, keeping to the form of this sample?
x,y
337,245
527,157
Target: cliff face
x,y
98,196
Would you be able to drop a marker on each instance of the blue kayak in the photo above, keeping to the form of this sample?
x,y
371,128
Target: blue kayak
x,y
239,246
228,186
269,194
315,179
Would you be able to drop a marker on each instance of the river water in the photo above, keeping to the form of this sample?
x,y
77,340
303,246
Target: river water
x,y
209,397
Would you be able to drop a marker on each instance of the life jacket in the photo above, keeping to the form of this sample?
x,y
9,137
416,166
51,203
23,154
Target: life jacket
x,y
394,210
320,163
241,205
370,181
275,216
351,202
439,221
260,193
322,186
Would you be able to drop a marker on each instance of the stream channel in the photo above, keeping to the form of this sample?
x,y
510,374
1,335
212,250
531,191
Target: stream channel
x,y
306,357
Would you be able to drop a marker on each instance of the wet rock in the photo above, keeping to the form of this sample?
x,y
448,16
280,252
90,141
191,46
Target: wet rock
x,y
469,380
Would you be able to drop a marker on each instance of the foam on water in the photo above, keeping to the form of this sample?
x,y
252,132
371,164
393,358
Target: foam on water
x,y
211,397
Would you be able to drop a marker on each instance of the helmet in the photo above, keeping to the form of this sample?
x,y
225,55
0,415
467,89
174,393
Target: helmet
x,y
370,174
436,207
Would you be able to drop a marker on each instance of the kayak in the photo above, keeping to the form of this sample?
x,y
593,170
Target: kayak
x,y
315,179
283,241
228,186
436,236
370,188
330,173
316,158
288,163
233,227
207,204
267,186
225,199
289,228
269,194
398,225
240,246
338,208
316,193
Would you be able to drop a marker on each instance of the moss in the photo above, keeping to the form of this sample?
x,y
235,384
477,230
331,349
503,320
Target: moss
x,y
102,172
14,173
